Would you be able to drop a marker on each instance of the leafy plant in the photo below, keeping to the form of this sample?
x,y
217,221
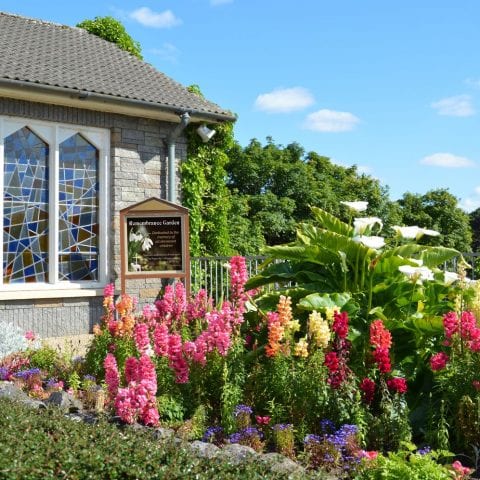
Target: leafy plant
x,y
112,30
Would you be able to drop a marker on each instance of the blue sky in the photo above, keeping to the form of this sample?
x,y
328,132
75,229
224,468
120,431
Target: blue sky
x,y
393,87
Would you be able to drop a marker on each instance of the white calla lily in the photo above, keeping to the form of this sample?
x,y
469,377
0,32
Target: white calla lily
x,y
426,231
416,273
406,232
359,206
450,277
370,242
361,225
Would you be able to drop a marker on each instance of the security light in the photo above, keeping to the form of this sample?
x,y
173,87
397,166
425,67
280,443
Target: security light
x,y
205,133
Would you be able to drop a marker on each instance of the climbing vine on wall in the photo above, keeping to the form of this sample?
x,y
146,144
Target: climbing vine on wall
x,y
204,190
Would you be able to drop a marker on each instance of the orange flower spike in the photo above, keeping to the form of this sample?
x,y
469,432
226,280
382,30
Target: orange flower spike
x,y
284,309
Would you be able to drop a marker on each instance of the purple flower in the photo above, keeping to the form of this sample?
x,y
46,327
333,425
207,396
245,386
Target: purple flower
x,y
242,409
212,434
26,374
282,426
89,378
312,438
327,426
4,373
52,382
424,450
245,434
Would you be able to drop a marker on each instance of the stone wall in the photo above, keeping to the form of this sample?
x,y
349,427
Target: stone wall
x,y
138,170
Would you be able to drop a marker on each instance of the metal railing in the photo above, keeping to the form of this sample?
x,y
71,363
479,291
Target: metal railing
x,y
211,273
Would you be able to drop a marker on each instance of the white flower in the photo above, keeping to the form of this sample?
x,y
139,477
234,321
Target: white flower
x,y
426,231
416,273
147,244
450,277
135,237
406,232
370,242
358,205
360,225
414,232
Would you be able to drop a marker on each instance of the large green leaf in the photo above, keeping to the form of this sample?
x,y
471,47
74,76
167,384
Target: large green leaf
x,y
302,253
319,302
330,222
434,256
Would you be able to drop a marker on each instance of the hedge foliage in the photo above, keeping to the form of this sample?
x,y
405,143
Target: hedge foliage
x,y
43,444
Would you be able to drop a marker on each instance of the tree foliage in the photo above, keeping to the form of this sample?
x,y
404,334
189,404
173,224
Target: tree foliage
x,y
280,184
475,226
438,210
113,31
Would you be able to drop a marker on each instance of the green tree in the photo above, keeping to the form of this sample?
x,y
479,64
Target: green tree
x,y
438,210
113,31
475,226
281,183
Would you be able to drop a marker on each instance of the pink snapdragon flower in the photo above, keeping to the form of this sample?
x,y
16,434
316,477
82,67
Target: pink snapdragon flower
x,y
439,361
160,340
112,377
142,338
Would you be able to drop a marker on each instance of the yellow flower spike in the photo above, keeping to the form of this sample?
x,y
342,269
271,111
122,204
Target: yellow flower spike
x,y
301,348
330,311
293,326
318,329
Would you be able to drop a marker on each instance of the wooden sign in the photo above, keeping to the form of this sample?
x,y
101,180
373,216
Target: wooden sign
x,y
154,241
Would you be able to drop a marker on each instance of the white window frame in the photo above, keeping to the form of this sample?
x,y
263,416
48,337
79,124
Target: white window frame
x,y
54,134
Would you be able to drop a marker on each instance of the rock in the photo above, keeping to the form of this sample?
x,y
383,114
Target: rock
x,y
280,464
237,453
163,434
64,401
12,392
204,450
82,417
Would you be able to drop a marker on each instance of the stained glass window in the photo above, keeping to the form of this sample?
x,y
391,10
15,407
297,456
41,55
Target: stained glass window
x,y
25,208
78,210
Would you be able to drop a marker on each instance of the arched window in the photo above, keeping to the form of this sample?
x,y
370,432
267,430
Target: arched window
x,y
25,208
78,209
54,206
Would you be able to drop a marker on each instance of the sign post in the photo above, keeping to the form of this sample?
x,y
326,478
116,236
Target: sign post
x,y
154,241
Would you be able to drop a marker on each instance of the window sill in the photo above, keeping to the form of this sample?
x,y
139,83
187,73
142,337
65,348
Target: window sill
x,y
52,292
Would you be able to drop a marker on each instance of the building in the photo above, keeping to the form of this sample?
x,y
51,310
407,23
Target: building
x,y
86,130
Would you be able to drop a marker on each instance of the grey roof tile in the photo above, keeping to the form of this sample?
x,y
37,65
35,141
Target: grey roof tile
x,y
54,55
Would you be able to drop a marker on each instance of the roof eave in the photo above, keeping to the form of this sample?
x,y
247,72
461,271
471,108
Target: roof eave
x,y
101,102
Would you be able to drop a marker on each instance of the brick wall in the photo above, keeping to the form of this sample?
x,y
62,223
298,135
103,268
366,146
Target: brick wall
x,y
137,171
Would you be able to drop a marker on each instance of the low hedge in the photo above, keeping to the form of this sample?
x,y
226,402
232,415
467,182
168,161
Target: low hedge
x,y
43,444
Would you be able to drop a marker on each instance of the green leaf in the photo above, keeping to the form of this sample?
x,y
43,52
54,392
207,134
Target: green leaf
x,y
434,256
319,302
330,222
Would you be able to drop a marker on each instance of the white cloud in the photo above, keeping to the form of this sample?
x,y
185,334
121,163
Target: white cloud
x,y
331,121
470,204
284,100
457,106
473,82
149,18
167,52
215,3
447,160
477,190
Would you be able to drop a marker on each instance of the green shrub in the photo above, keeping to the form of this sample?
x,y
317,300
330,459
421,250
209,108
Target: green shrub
x,y
43,444
405,465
